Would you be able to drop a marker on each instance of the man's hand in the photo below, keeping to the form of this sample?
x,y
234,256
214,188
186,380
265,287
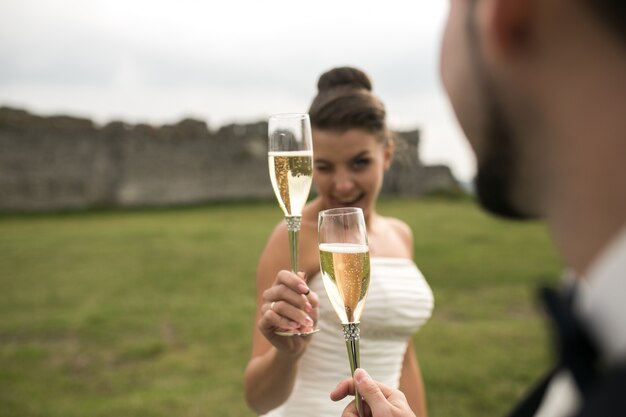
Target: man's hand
x,y
382,401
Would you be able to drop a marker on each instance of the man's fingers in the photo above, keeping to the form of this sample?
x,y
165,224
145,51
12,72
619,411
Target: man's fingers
x,y
342,390
346,387
371,392
365,383
379,399
350,411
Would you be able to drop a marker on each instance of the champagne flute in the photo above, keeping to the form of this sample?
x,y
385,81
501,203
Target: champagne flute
x,y
290,160
345,266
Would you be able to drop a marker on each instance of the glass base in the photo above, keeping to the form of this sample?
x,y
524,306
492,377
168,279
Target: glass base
x,y
301,333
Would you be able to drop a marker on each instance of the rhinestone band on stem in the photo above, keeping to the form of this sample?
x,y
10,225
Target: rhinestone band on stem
x,y
351,331
293,222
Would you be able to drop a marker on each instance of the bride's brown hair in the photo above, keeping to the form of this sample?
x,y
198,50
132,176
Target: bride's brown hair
x,y
345,101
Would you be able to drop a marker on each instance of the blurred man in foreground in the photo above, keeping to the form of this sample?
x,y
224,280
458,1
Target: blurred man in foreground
x,y
539,88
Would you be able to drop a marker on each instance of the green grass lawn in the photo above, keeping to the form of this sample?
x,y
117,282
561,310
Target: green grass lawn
x,y
149,313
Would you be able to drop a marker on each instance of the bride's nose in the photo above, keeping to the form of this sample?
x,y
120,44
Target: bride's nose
x,y
343,183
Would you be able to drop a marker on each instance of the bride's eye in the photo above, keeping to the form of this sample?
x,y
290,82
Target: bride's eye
x,y
360,163
322,167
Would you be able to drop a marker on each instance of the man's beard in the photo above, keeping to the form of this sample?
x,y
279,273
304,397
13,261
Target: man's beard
x,y
498,164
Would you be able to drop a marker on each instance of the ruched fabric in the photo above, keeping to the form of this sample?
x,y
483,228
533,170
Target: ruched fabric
x,y
398,304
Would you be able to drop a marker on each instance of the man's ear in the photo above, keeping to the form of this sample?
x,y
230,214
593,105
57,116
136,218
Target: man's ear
x,y
510,23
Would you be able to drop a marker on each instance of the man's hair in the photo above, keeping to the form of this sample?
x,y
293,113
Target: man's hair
x,y
612,13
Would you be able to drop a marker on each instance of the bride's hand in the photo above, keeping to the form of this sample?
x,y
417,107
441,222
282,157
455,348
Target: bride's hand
x,y
289,305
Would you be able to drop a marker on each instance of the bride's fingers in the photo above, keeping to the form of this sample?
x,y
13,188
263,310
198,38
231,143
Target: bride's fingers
x,y
272,320
289,301
291,312
314,301
280,292
292,281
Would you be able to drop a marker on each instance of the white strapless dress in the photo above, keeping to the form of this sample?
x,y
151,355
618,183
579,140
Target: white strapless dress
x,y
399,302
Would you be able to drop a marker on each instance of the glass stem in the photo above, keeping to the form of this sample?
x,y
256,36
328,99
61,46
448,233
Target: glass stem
x,y
293,227
352,334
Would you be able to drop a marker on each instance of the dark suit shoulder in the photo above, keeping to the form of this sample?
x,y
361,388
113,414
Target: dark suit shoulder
x,y
607,397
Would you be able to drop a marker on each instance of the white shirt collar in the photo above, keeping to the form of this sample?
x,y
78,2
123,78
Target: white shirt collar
x,y
601,300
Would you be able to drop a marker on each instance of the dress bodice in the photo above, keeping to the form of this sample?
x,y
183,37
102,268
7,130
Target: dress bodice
x,y
398,303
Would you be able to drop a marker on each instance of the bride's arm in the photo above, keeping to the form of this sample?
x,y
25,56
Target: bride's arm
x,y
271,371
411,383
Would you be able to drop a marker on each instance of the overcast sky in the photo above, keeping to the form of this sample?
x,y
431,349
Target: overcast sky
x,y
225,61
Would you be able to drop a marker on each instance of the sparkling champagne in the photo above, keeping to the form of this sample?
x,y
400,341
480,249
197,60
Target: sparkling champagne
x,y
346,276
291,174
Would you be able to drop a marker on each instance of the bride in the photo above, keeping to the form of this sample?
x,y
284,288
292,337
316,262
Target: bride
x,y
292,376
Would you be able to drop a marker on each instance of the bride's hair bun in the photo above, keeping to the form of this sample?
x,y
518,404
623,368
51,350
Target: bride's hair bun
x,y
343,77
345,101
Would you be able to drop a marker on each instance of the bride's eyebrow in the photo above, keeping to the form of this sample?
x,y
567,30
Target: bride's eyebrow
x,y
361,155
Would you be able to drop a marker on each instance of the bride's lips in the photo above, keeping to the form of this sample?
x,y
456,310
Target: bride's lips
x,y
346,203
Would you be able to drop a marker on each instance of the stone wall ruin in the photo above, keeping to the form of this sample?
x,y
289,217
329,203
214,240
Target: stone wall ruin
x,y
62,162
